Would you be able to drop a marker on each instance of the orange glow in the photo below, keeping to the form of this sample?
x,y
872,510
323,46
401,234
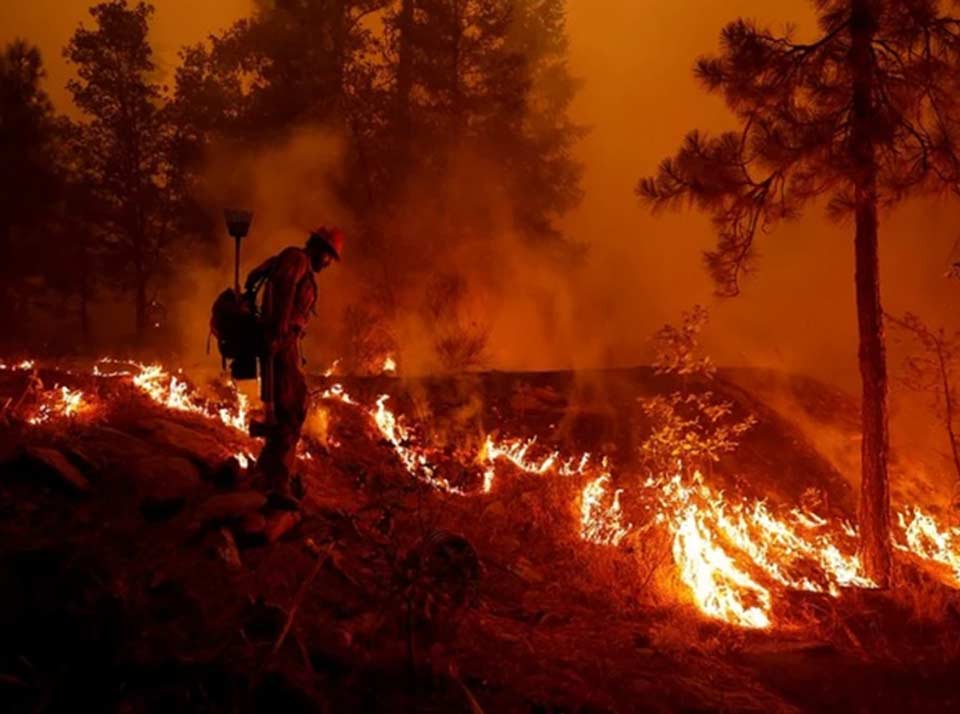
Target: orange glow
x,y
735,555
174,393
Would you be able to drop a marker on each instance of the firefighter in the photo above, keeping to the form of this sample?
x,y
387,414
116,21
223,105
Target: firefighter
x,y
288,300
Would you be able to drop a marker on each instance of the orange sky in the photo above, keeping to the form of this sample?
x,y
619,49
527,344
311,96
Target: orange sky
x,y
639,98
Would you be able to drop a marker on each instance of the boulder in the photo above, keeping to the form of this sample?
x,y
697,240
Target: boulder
x,y
163,484
198,446
159,482
225,548
253,525
55,465
281,523
228,507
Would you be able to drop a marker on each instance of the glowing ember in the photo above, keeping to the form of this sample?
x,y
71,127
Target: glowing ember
x,y
24,366
399,437
332,369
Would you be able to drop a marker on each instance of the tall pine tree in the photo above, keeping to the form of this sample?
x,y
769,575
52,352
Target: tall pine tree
x,y
124,139
865,114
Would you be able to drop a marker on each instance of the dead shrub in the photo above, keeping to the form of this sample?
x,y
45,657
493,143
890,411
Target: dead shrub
x,y
367,338
459,332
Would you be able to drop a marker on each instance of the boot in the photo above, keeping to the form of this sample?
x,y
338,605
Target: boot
x,y
284,497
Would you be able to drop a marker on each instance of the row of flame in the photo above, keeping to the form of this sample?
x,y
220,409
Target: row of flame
x,y
733,555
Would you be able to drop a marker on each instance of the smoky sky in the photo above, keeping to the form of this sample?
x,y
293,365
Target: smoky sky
x,y
639,98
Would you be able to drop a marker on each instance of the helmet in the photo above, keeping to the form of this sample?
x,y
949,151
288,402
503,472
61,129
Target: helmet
x,y
327,239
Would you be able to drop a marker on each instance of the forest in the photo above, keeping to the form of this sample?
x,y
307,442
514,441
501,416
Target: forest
x,y
335,379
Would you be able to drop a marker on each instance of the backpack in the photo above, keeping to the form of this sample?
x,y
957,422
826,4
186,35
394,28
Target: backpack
x,y
234,325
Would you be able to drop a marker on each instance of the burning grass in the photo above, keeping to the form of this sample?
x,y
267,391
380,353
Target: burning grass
x,y
735,558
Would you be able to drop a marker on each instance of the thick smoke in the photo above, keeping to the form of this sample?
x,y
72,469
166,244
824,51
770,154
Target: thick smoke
x,y
639,98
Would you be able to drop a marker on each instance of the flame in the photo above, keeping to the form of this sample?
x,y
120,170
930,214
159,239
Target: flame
x,y
60,402
336,392
925,538
726,547
735,555
599,525
332,369
719,588
174,393
245,459
516,452
394,432
389,365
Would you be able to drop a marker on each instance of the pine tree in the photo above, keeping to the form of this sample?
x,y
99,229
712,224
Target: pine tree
x,y
865,114
124,136
29,182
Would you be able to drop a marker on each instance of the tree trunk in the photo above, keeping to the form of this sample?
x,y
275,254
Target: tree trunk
x,y
140,289
84,300
874,484
405,79
340,19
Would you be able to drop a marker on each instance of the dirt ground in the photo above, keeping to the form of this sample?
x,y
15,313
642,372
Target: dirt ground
x,y
142,571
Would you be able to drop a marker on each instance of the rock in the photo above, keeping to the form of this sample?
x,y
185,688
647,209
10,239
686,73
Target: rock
x,y
198,446
524,570
79,459
228,473
253,525
163,484
229,506
281,523
225,548
54,464
111,449
158,482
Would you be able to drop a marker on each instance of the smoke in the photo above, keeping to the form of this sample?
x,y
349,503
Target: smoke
x,y
797,312
287,186
639,98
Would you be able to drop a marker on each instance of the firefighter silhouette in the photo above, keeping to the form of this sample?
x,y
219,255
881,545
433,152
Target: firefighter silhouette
x,y
289,296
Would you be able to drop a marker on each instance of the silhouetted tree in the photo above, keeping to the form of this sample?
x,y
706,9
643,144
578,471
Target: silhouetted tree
x,y
430,96
547,176
206,103
866,114
487,77
75,231
29,181
125,137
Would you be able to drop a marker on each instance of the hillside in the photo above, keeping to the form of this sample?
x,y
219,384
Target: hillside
x,y
141,570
